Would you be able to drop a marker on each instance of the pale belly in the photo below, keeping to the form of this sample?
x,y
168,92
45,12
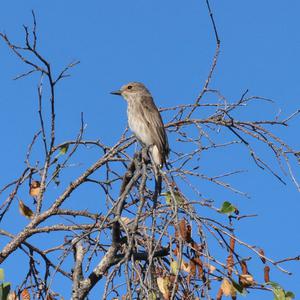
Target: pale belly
x,y
140,130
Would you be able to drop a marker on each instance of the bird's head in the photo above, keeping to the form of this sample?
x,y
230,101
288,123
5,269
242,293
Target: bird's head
x,y
132,89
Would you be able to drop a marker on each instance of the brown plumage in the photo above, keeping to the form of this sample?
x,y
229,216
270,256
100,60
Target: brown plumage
x,y
145,121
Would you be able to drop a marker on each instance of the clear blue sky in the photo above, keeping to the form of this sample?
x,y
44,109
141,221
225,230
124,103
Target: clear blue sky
x,y
168,45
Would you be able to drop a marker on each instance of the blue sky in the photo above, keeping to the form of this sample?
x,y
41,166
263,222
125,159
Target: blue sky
x,y
168,45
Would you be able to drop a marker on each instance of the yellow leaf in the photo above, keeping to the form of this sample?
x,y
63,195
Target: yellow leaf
x,y
152,296
25,210
163,285
174,267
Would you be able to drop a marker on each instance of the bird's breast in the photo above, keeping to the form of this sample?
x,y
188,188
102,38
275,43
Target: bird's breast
x,y
138,125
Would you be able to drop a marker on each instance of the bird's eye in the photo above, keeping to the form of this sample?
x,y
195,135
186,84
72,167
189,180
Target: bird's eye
x,y
129,87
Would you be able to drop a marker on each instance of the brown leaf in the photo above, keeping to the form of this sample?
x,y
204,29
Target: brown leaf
x,y
262,254
230,264
244,267
192,267
25,295
25,210
188,237
267,274
220,294
176,251
34,189
182,229
198,262
232,244
246,280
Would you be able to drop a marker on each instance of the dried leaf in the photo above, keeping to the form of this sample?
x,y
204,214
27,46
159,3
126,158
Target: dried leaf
x,y
34,189
185,267
210,268
227,288
176,251
232,244
244,267
230,264
192,267
163,286
262,254
199,264
126,220
267,273
188,237
220,294
25,210
25,295
246,280
12,296
185,231
182,229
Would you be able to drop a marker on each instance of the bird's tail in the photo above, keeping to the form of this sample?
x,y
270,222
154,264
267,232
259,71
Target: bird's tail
x,y
158,181
157,162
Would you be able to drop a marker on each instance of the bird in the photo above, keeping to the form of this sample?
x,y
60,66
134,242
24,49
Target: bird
x,y
146,123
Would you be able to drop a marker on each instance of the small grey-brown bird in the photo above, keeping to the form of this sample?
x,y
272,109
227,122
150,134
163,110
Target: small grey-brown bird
x,y
146,123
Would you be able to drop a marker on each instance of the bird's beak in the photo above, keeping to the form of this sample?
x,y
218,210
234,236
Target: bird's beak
x,y
119,93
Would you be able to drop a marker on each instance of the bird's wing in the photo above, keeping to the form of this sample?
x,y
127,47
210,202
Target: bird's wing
x,y
155,124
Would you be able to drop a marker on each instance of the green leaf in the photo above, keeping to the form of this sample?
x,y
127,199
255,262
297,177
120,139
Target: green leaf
x,y
5,290
289,295
63,149
227,208
273,284
178,198
279,292
152,296
238,288
56,174
1,274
